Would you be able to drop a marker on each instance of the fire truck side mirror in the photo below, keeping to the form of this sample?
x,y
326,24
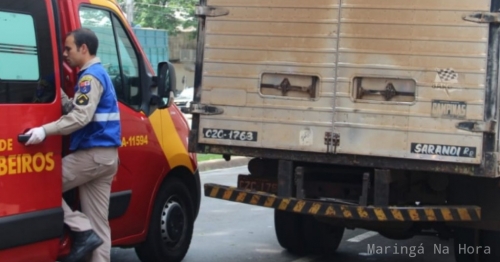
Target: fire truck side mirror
x,y
165,81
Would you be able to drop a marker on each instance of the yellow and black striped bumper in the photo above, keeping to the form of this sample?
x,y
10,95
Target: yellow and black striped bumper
x,y
367,213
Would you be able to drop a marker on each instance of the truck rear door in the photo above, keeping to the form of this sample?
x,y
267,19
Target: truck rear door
x,y
31,218
408,73
388,78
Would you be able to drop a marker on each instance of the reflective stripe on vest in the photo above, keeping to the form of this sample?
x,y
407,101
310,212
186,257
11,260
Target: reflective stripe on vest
x,y
104,117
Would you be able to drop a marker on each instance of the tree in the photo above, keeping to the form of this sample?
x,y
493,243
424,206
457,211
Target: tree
x,y
172,15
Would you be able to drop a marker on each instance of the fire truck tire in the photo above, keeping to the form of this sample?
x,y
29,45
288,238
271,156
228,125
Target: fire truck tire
x,y
171,226
465,248
288,227
321,238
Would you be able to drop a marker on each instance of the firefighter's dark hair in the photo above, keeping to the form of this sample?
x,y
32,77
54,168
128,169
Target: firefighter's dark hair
x,y
87,37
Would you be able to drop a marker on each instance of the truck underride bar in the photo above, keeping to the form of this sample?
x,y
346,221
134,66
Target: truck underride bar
x,y
341,211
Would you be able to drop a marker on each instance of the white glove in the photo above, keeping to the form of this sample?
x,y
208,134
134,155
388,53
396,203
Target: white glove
x,y
37,135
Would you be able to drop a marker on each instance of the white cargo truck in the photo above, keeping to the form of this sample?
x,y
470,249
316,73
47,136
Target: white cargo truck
x,y
380,115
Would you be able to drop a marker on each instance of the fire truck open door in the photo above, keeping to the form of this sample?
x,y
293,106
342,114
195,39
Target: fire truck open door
x,y
31,218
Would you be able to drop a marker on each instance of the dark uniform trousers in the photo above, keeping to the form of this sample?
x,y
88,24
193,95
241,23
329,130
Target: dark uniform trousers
x,y
92,171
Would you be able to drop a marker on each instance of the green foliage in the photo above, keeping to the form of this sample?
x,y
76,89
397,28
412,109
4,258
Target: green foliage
x,y
164,14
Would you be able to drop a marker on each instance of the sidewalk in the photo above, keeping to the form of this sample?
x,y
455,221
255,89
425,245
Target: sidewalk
x,y
221,163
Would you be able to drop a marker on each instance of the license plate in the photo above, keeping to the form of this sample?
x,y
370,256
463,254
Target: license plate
x,y
264,184
227,134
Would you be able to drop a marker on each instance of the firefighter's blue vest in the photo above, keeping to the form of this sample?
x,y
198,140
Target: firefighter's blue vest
x,y
104,129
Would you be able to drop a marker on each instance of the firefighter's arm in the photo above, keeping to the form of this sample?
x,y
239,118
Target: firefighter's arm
x,y
84,106
67,103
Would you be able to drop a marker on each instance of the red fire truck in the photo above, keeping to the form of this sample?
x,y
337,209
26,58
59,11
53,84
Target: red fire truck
x,y
155,195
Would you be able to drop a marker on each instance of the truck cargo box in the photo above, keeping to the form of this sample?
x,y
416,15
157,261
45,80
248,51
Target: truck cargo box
x,y
389,84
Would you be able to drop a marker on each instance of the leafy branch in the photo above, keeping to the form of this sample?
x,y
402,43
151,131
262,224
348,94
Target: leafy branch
x,y
171,15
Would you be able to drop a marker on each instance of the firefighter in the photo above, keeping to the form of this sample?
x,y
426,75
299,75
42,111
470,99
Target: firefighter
x,y
93,121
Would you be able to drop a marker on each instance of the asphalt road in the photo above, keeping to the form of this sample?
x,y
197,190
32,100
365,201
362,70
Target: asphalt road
x,y
226,231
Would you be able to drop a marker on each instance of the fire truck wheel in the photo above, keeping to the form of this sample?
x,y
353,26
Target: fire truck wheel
x,y
171,226
289,231
488,247
322,238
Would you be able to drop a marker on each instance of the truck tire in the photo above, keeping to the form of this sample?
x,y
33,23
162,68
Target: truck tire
x,y
171,226
465,238
321,238
289,231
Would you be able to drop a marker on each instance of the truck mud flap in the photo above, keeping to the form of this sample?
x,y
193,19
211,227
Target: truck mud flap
x,y
342,211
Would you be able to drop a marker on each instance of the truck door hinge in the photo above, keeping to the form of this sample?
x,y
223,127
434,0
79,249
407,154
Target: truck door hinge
x,y
482,17
478,126
202,109
210,11
332,141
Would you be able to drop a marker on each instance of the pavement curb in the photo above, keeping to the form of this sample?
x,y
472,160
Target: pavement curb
x,y
222,163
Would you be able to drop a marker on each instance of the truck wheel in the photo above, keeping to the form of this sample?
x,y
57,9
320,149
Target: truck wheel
x,y
321,238
491,239
463,237
465,249
171,226
289,231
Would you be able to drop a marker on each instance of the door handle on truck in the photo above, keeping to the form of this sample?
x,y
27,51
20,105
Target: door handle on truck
x,y
203,109
482,17
210,11
23,138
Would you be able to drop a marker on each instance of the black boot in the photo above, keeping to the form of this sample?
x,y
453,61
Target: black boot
x,y
84,243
